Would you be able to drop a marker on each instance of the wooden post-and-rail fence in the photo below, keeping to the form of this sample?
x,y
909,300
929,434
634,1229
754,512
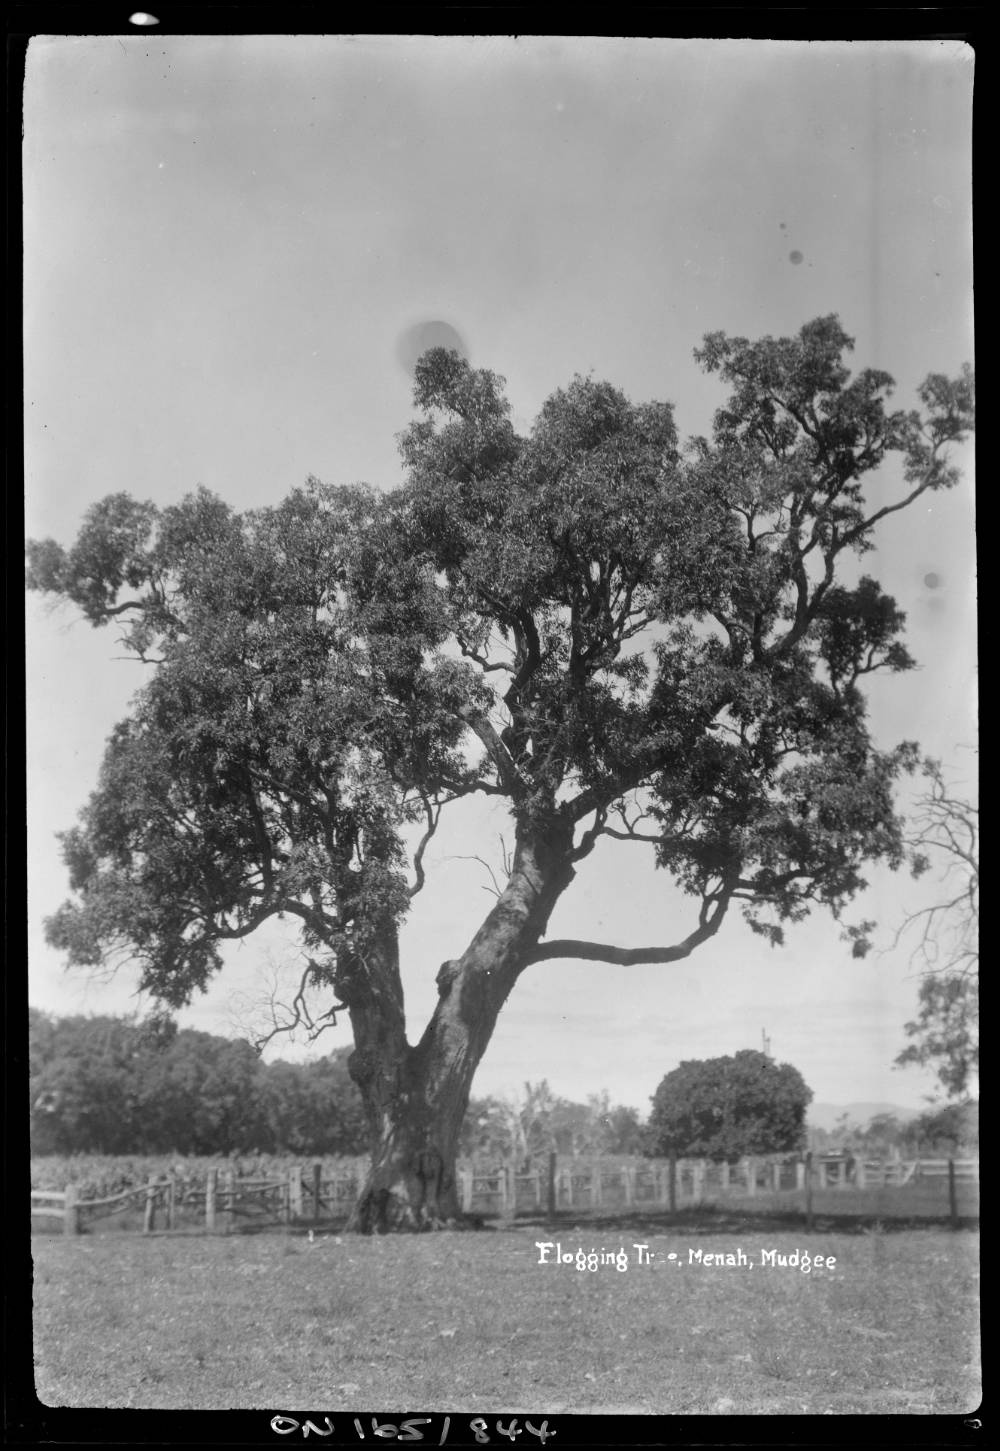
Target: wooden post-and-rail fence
x,y
298,1196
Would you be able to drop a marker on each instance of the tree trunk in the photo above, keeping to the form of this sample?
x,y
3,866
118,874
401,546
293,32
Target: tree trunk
x,y
416,1097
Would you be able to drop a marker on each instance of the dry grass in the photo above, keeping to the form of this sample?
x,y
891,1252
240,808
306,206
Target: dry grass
x,y
472,1323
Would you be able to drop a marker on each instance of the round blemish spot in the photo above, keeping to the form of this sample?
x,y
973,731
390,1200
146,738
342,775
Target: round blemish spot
x,y
422,336
932,580
795,257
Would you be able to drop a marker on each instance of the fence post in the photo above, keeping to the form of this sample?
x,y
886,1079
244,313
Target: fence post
x,y
661,1177
952,1195
317,1177
465,1180
809,1190
149,1218
751,1176
295,1191
229,1193
595,1183
628,1177
672,1184
697,1180
71,1222
800,1174
211,1179
568,1181
861,1174
724,1177
553,1160
171,1199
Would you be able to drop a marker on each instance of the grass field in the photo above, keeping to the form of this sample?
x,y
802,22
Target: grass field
x,y
472,1322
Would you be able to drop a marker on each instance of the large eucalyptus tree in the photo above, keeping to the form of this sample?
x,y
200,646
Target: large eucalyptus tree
x,y
619,637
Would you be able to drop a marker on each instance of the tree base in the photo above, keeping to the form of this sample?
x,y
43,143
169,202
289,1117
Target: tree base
x,y
385,1211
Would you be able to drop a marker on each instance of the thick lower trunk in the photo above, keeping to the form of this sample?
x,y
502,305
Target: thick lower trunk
x,y
416,1097
411,1182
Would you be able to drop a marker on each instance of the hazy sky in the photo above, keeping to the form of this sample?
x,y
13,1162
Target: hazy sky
x,y
228,243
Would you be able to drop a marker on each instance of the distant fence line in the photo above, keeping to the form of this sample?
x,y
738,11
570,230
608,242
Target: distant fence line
x,y
665,1183
301,1195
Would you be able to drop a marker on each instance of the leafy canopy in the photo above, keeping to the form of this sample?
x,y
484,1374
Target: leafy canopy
x,y
622,637
723,1108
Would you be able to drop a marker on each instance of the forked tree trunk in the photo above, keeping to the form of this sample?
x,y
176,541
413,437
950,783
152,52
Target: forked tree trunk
x,y
415,1097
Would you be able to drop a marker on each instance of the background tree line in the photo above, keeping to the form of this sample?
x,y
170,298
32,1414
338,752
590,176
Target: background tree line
x,y
112,1085
941,1129
116,1086
538,1122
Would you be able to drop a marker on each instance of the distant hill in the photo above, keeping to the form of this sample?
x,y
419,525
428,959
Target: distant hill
x,y
825,1115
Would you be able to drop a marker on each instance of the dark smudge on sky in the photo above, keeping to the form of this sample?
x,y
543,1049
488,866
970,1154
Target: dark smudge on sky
x,y
416,340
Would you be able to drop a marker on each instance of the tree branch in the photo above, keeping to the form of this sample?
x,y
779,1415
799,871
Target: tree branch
x,y
588,840
481,660
495,890
630,835
712,913
300,1015
512,780
433,817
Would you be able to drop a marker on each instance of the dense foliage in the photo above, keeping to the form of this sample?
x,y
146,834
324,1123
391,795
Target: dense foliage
x,y
116,1086
723,1108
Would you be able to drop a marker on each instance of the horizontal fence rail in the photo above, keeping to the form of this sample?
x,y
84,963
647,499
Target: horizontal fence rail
x,y
221,1198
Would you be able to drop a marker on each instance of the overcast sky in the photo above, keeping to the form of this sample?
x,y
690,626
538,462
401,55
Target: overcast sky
x,y
230,247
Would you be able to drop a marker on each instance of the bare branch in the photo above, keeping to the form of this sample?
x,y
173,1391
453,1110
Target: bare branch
x,y
298,1014
630,835
710,920
869,523
495,890
946,828
433,817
